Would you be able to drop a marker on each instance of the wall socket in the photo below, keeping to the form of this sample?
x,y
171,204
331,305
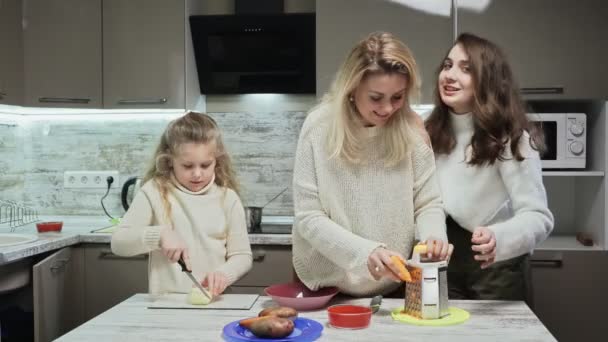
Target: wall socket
x,y
89,179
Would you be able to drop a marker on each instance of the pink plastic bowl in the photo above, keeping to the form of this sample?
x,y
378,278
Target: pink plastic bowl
x,y
349,316
299,297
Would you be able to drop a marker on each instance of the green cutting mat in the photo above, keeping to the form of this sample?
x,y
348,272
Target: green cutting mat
x,y
456,316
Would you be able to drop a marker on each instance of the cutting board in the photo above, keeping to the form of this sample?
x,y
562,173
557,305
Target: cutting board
x,y
222,302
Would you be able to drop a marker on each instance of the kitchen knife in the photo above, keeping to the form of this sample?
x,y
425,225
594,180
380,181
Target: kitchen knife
x,y
189,274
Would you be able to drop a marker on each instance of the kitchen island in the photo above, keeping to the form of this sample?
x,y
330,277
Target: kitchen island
x,y
132,321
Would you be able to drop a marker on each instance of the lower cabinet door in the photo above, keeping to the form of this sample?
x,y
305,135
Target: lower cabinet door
x,y
570,293
271,265
110,279
58,294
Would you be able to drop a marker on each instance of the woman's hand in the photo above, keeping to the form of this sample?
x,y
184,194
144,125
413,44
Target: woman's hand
x,y
173,247
380,265
484,242
438,250
216,282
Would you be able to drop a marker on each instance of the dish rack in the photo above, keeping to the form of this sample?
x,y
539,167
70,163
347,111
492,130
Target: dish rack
x,y
16,214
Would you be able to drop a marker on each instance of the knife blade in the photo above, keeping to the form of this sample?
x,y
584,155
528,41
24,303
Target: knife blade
x,y
189,274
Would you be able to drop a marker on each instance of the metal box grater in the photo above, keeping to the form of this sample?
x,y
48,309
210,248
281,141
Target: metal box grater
x,y
426,296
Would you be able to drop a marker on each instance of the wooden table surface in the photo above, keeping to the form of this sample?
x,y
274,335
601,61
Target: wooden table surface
x,y
132,321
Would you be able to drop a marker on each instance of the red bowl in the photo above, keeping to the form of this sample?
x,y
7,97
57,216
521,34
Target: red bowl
x,y
44,227
349,316
296,295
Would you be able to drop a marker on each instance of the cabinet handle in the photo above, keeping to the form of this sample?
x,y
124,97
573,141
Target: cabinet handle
x,y
142,102
58,265
258,256
2,94
63,100
546,263
108,255
542,90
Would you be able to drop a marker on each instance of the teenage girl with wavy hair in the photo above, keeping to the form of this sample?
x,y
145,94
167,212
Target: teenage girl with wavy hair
x,y
489,169
188,207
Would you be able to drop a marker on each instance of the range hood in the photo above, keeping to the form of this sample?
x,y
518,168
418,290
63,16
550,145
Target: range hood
x,y
255,53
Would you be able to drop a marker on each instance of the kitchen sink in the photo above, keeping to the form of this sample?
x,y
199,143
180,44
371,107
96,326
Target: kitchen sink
x,y
10,239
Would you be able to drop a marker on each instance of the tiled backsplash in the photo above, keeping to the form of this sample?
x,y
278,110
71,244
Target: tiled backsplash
x,y
35,152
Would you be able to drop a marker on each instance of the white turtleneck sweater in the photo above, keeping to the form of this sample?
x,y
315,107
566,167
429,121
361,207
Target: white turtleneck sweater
x,y
344,211
508,197
211,222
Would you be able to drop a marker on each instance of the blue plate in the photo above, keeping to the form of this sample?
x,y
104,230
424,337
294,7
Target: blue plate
x,y
304,330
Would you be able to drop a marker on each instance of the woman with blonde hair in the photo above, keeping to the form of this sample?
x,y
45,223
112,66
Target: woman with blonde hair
x,y
364,181
188,208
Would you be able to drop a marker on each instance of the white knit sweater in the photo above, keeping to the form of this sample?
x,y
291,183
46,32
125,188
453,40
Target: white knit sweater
x,y
211,222
508,197
344,211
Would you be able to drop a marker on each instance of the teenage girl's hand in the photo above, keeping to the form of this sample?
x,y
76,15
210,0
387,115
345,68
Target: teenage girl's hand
x,y
438,250
380,265
173,247
216,282
484,242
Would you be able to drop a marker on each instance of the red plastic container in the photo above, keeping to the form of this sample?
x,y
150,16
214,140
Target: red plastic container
x,y
347,316
296,295
44,227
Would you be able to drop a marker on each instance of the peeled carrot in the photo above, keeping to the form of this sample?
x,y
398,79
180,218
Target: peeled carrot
x,y
247,323
403,274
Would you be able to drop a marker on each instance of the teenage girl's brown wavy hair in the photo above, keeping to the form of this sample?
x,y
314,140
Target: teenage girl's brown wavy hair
x,y
499,115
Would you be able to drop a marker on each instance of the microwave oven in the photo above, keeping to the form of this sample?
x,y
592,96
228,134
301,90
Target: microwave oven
x,y
565,139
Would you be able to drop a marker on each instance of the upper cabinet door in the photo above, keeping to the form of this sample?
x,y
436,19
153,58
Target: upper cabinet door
x,y
11,58
62,53
426,29
557,48
143,53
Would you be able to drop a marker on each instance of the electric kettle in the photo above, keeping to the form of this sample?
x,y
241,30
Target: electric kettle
x,y
129,189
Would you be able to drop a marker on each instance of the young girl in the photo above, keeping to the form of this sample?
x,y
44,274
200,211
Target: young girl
x,y
188,207
489,170
364,182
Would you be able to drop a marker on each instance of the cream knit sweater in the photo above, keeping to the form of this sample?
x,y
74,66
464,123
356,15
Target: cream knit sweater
x,y
211,222
509,197
344,211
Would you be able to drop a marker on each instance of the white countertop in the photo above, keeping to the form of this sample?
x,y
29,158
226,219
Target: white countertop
x,y
132,321
77,229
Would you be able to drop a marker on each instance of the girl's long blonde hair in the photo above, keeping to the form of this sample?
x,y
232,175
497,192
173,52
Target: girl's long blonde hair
x,y
379,53
197,128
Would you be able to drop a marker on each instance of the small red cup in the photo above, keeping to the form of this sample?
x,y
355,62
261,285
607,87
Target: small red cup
x,y
44,227
348,316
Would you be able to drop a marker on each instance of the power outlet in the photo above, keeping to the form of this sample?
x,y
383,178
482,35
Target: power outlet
x,y
89,179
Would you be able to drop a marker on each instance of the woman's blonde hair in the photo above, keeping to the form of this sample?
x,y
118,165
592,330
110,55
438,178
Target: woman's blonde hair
x,y
197,128
379,53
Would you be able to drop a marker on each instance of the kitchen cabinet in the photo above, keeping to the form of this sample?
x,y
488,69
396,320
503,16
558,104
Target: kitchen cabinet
x,y
11,58
143,53
271,265
556,47
62,53
109,279
428,34
58,294
569,293
577,198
